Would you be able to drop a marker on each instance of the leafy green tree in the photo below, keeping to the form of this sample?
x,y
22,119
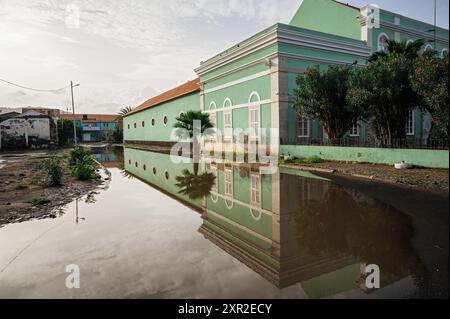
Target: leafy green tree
x,y
384,91
322,95
65,132
430,80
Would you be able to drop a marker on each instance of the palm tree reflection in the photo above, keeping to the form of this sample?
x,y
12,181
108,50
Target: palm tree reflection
x,y
195,186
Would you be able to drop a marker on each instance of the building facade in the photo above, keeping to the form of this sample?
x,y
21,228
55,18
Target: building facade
x,y
248,89
30,129
94,127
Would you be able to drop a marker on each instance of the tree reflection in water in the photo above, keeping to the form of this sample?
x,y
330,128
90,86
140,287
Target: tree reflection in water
x,y
337,221
195,186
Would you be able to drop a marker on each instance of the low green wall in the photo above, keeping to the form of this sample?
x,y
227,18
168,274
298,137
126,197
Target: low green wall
x,y
424,158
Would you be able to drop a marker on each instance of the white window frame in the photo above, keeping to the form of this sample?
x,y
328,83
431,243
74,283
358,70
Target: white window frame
x,y
411,130
308,125
228,127
378,42
228,182
257,124
255,190
165,116
442,52
352,130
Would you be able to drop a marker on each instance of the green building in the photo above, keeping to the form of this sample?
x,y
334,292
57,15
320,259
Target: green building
x,y
250,85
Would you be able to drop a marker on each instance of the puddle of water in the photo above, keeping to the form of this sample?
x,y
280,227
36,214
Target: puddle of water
x,y
167,230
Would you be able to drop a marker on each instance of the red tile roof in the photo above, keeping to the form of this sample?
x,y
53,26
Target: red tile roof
x,y
184,89
91,117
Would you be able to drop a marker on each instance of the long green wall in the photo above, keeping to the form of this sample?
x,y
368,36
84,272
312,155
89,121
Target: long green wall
x,y
159,132
141,163
425,158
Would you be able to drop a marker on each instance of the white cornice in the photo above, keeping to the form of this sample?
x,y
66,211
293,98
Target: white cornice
x,y
409,31
279,35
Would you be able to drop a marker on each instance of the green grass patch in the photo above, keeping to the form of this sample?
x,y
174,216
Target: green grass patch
x,y
303,160
40,201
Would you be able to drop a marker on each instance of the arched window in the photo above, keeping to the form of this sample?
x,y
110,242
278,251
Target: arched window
x,y
227,119
213,116
254,115
409,42
382,42
212,106
165,120
444,52
428,47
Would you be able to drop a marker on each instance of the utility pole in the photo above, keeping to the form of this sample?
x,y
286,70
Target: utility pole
x,y
73,112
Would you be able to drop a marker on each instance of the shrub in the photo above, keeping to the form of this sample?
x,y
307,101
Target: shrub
x,y
40,201
53,168
84,169
78,154
303,160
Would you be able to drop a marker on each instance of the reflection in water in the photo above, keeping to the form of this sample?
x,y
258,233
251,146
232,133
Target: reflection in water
x,y
290,229
286,235
195,186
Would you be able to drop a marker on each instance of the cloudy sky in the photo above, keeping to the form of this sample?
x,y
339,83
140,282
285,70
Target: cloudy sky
x,y
124,51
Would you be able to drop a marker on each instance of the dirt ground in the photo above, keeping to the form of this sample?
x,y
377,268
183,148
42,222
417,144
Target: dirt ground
x,y
421,178
22,180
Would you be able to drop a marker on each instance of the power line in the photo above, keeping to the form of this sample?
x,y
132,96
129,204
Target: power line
x,y
32,89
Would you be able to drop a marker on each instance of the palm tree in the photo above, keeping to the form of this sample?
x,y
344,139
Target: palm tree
x,y
185,123
185,128
409,49
195,186
125,110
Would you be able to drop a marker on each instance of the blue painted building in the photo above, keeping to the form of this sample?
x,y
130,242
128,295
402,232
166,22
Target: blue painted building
x,y
94,127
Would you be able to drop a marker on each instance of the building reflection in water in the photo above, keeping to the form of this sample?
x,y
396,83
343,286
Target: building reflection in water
x,y
292,228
